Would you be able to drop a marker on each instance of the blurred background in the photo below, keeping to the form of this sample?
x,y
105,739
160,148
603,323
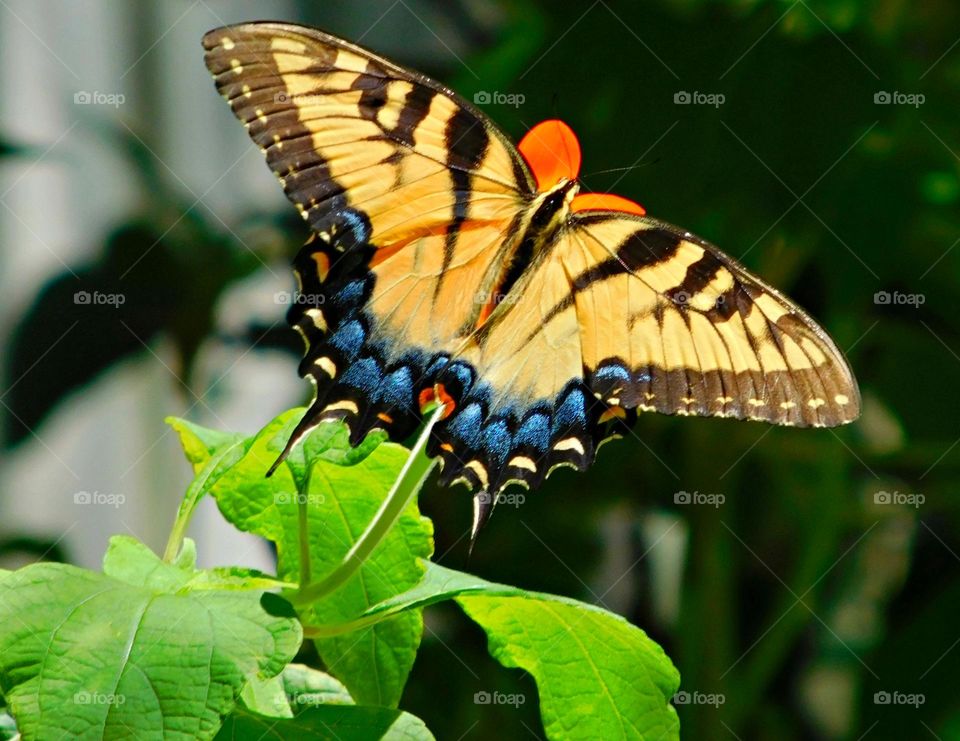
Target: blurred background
x,y
806,583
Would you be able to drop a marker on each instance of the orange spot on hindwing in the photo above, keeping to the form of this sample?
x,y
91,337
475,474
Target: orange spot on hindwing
x,y
323,265
427,396
439,395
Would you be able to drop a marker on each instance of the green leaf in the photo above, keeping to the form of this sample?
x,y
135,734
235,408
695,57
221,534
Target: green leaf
x,y
598,676
201,443
328,723
344,492
267,697
306,686
130,561
131,652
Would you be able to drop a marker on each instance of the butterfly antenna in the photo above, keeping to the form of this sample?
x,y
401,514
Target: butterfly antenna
x,y
634,166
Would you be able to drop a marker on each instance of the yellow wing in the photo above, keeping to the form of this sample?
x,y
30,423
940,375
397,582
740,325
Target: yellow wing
x,y
626,314
411,193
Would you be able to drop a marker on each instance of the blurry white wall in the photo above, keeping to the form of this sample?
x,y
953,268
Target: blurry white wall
x,y
56,209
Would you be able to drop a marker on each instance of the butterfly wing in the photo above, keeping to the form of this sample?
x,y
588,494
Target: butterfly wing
x,y
411,193
628,314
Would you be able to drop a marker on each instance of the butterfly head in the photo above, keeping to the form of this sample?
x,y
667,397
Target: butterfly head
x,y
552,151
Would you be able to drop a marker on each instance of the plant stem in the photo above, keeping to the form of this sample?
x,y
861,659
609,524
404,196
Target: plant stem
x,y
177,534
304,529
405,488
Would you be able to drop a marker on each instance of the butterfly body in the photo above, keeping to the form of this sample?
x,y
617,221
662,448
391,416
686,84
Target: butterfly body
x,y
447,265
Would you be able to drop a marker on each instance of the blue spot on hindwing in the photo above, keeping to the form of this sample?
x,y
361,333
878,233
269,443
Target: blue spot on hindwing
x,y
466,425
397,388
612,374
356,225
351,293
571,415
535,432
349,338
364,374
496,442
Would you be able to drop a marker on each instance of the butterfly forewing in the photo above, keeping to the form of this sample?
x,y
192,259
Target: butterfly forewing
x,y
411,193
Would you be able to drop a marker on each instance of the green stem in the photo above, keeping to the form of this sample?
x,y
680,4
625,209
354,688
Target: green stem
x,y
304,528
405,488
326,631
204,481
177,534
